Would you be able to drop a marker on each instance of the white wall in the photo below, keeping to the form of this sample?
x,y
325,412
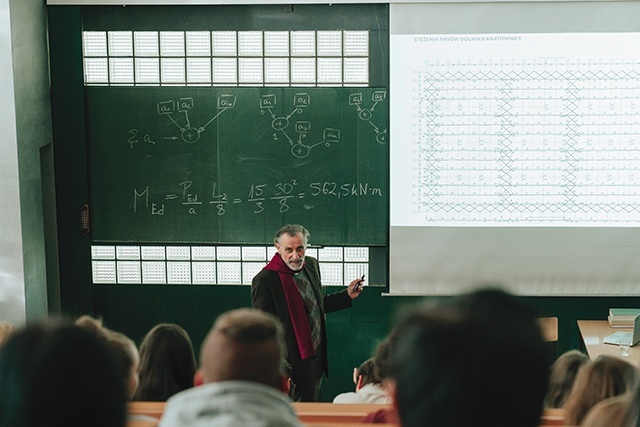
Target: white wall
x,y
12,296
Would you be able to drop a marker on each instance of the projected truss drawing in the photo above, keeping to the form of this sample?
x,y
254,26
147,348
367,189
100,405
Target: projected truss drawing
x,y
559,145
515,130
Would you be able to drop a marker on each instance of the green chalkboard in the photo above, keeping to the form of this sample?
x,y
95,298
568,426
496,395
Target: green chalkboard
x,y
232,164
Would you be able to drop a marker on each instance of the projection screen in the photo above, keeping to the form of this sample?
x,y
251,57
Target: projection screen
x,y
515,148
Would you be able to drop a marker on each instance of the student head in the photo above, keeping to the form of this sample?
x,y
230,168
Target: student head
x,y
123,348
617,411
562,376
6,330
605,377
59,375
476,359
127,353
244,344
382,357
167,363
366,373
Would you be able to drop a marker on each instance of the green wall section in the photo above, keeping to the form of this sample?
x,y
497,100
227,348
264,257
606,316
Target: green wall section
x,y
33,131
69,153
353,333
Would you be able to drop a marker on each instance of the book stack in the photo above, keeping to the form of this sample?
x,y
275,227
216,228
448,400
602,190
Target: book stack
x,y
622,318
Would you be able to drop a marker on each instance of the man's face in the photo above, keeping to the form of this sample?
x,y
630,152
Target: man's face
x,y
291,249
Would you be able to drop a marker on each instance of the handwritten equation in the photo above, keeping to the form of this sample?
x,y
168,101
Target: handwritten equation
x,y
260,197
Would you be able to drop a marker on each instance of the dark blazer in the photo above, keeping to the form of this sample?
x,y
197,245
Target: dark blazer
x,y
267,295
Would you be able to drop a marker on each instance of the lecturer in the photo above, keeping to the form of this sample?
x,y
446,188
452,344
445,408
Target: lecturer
x,y
289,287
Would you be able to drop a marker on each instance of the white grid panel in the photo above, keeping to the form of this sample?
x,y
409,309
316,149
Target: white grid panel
x,y
203,253
120,43
104,271
354,271
154,272
103,252
250,43
254,253
203,273
249,270
96,71
303,70
94,43
225,70
250,70
172,70
329,70
276,43
330,253
329,43
198,43
271,251
210,265
179,273
356,70
198,70
129,272
153,253
146,43
355,254
356,43
229,273
128,252
276,70
238,58
172,43
179,253
224,43
303,43
331,274
229,253
147,70
121,70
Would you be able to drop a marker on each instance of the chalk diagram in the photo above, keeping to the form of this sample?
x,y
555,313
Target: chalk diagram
x,y
189,133
299,148
366,114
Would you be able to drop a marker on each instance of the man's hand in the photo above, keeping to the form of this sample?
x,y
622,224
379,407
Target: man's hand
x,y
355,287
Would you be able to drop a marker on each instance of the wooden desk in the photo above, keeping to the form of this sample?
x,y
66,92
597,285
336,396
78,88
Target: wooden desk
x,y
593,333
318,412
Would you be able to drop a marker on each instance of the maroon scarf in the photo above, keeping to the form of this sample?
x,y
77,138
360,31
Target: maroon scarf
x,y
297,312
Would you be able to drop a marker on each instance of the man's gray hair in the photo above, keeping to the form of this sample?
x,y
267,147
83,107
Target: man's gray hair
x,y
292,230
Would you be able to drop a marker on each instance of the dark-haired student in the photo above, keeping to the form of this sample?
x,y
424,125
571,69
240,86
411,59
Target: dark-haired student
x,y
167,363
58,374
368,385
475,359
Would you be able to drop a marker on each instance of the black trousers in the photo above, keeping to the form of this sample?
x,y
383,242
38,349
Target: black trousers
x,y
307,378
